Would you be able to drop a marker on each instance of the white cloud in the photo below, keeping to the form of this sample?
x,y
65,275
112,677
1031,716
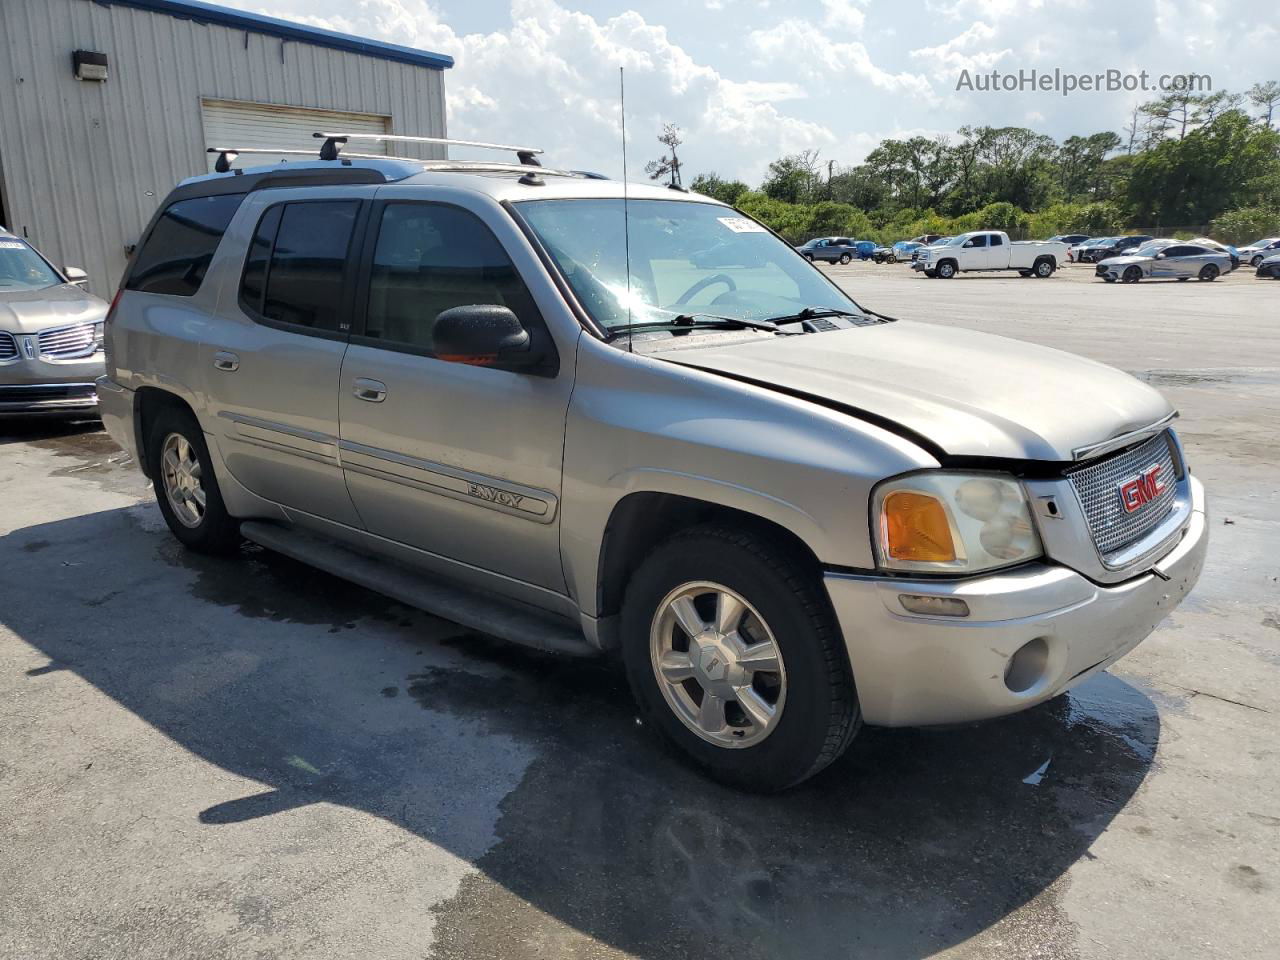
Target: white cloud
x,y
962,52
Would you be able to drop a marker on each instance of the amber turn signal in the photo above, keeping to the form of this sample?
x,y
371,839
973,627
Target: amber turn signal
x,y
916,528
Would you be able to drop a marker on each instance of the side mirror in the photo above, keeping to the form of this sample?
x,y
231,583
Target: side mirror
x,y
75,276
484,335
1161,256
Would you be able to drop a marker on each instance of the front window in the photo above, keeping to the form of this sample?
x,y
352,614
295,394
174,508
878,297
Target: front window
x,y
21,268
686,258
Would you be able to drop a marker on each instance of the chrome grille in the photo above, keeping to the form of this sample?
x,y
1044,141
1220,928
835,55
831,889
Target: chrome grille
x,y
8,348
67,343
1098,487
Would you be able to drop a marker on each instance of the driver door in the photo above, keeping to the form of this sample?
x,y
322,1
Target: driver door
x,y
460,461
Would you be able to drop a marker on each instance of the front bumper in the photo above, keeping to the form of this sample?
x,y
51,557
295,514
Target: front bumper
x,y
918,670
38,387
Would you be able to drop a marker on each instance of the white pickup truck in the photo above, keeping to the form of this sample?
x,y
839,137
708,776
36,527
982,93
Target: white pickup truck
x,y
990,250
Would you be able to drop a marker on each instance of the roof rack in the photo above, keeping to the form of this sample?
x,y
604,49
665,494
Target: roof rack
x,y
333,143
227,155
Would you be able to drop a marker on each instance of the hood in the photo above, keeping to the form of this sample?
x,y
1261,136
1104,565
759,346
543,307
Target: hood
x,y
30,311
1125,260
970,394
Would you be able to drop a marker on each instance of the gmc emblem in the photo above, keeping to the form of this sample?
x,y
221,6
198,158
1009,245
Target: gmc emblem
x,y
1142,489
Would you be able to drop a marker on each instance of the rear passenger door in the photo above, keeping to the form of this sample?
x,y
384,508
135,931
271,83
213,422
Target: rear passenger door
x,y
462,462
273,358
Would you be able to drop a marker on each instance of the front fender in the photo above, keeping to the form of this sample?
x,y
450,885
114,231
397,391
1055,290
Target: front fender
x,y
638,424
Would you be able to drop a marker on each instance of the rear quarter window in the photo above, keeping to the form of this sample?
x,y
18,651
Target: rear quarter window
x,y
176,253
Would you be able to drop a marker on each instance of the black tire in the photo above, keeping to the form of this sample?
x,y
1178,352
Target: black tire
x,y
1256,259
1208,273
820,715
929,273
1109,279
891,258
1183,279
217,532
844,259
1043,269
946,269
1132,274
1024,273
809,257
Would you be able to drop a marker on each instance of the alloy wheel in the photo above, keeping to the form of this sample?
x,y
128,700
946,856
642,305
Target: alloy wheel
x,y
181,472
718,664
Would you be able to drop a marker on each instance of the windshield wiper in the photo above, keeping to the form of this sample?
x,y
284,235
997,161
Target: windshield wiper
x,y
813,313
701,321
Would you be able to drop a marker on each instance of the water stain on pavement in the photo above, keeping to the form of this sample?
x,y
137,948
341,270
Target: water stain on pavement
x,y
916,840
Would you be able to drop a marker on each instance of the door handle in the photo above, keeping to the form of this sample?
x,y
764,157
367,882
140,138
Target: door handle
x,y
226,360
375,391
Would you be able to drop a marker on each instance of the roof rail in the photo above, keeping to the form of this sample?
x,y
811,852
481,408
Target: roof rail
x,y
333,143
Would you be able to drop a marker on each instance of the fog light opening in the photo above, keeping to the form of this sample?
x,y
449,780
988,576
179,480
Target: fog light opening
x,y
1026,668
933,606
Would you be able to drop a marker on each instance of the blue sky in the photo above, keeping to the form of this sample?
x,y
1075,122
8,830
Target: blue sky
x,y
749,80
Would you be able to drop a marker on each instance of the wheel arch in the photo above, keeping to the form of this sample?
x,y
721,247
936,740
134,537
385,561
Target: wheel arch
x,y
643,519
148,402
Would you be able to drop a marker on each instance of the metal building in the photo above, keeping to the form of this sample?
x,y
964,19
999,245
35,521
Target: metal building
x,y
106,104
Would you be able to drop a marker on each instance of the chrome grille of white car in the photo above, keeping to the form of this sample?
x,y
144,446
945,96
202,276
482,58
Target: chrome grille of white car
x,y
67,343
1098,487
8,348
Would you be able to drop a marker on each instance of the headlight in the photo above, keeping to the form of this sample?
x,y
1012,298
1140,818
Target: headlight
x,y
99,331
940,522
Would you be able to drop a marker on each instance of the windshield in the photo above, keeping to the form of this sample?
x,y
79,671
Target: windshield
x,y
686,258
1151,248
21,268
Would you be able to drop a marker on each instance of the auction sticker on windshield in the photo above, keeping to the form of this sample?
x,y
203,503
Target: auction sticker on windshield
x,y
742,225
12,245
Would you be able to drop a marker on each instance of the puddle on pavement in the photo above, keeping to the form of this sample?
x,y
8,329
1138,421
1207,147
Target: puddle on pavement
x,y
902,848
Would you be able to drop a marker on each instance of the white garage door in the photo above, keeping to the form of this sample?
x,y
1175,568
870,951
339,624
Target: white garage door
x,y
234,123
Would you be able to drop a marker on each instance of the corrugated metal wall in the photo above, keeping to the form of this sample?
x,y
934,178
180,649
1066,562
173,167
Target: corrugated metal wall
x,y
83,165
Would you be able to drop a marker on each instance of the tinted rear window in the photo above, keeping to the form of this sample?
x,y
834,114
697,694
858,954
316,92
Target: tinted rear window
x,y
306,268
177,252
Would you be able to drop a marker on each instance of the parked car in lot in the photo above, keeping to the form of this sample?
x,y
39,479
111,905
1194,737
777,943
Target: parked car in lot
x,y
787,514
1110,247
50,335
1161,260
1270,267
989,250
1226,248
1070,239
1259,250
903,250
830,249
927,238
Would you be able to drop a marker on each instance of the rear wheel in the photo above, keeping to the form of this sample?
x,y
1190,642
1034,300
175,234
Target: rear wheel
x,y
844,259
733,654
185,486
1132,274
1208,272
1043,268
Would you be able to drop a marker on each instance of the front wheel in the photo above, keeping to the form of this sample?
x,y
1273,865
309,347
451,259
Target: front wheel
x,y
185,486
1257,259
809,257
1132,274
733,654
1208,272
946,270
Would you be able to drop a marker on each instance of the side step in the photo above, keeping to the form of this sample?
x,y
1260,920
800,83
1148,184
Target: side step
x,y
471,608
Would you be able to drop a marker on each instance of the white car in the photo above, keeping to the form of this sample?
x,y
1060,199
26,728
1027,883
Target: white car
x,y
990,250
1160,259
1258,251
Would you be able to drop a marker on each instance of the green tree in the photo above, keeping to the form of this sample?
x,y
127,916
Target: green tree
x,y
1247,224
1265,96
715,186
668,165
793,178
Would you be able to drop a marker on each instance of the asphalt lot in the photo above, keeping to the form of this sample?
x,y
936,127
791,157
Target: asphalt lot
x,y
204,758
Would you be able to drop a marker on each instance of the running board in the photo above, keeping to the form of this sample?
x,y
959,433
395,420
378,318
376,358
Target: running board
x,y
468,607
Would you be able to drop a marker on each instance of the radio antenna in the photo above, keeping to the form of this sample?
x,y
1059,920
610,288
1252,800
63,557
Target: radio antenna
x,y
626,218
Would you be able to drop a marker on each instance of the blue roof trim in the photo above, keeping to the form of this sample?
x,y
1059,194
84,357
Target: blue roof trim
x,y
256,23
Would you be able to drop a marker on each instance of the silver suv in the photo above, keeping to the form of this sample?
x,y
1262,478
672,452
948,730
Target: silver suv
x,y
645,426
50,335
